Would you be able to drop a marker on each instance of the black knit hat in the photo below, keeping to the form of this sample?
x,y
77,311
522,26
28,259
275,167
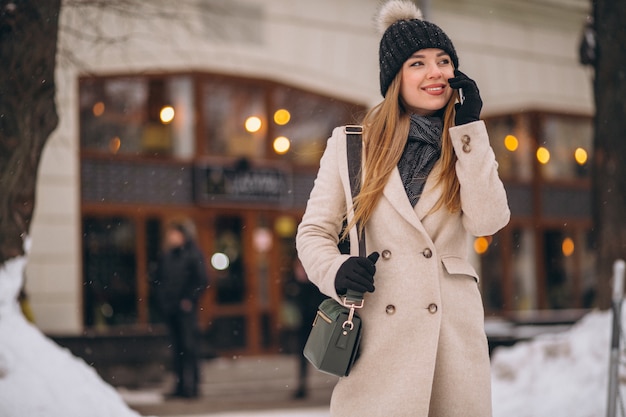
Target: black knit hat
x,y
405,33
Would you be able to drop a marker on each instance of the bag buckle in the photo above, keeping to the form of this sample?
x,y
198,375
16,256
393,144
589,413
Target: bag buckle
x,y
353,129
348,325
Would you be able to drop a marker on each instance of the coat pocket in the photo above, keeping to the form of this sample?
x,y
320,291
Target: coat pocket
x,y
458,266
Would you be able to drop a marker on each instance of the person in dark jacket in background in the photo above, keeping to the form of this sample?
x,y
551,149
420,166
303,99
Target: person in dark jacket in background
x,y
179,281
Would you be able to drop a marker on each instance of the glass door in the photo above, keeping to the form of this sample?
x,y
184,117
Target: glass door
x,y
241,311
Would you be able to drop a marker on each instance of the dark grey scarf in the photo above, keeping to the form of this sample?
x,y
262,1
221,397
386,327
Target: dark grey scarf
x,y
422,150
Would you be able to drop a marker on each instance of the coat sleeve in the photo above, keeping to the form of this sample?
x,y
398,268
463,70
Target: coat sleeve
x,y
318,232
484,204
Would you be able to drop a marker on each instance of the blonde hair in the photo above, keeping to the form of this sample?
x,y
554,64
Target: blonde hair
x,y
386,129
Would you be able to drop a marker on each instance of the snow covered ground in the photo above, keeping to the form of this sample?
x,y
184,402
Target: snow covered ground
x,y
563,374
37,377
558,375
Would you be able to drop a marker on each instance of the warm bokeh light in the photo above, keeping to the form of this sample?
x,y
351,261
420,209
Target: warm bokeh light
x,y
98,109
115,144
220,261
281,145
511,143
282,117
543,155
167,114
568,246
285,226
581,156
481,244
262,239
253,124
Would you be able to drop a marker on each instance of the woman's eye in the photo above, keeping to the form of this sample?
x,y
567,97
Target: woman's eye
x,y
417,64
445,61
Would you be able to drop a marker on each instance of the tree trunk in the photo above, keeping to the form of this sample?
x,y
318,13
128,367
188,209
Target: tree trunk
x,y
609,171
28,45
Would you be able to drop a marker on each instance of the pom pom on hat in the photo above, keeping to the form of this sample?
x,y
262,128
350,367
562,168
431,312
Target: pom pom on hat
x,y
404,32
392,11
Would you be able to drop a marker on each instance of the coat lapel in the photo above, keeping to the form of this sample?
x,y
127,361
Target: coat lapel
x,y
430,194
395,193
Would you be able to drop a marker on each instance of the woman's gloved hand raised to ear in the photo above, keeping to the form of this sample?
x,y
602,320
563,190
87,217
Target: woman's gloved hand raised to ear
x,y
357,274
469,110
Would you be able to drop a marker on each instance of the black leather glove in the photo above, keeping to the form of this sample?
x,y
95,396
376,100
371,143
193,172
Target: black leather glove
x,y
357,274
469,110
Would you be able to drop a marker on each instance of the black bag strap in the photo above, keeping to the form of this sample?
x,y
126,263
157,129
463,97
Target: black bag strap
x,y
354,138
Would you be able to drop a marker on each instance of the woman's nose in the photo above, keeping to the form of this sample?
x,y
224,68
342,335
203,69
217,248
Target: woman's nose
x,y
434,72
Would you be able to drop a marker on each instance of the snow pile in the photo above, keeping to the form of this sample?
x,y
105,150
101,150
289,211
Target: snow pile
x,y
39,378
563,374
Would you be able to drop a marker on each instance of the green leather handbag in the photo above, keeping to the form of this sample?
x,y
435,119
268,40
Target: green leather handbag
x,y
333,344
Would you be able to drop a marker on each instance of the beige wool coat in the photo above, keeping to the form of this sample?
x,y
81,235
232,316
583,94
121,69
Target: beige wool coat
x,y
424,350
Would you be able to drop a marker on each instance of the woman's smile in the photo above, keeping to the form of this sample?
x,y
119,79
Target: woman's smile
x,y
435,89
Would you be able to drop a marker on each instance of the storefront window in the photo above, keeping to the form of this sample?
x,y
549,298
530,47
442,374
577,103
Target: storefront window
x,y
569,269
524,275
587,257
228,260
154,250
228,278
155,116
490,252
513,146
235,119
137,115
558,267
295,127
109,270
568,146
565,278
304,121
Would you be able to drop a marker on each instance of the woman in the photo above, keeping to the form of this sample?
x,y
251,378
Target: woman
x,y
429,182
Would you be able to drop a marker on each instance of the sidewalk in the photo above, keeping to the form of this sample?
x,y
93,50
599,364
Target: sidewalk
x,y
239,384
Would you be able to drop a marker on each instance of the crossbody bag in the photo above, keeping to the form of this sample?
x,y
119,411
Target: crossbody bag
x,y
333,343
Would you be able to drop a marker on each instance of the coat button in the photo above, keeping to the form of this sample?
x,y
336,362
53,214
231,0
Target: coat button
x,y
427,253
432,308
466,143
386,254
390,309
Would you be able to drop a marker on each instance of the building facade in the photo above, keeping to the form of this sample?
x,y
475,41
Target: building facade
x,y
219,112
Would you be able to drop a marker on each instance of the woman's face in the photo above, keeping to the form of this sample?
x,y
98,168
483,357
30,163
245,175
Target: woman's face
x,y
424,87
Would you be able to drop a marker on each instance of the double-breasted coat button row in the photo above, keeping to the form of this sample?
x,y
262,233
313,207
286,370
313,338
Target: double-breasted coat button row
x,y
386,254
466,143
391,309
